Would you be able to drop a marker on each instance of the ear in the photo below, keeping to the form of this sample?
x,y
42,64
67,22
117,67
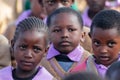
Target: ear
x,y
12,43
89,34
12,49
83,34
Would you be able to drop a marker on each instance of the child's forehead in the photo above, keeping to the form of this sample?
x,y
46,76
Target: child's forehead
x,y
32,36
101,31
98,28
66,18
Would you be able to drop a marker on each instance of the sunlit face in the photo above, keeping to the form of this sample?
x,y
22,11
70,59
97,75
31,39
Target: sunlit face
x,y
106,45
52,5
65,32
29,49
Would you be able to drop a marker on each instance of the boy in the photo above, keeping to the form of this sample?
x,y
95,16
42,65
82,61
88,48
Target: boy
x,y
105,36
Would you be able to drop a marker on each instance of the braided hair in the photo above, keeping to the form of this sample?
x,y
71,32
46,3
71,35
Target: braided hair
x,y
30,23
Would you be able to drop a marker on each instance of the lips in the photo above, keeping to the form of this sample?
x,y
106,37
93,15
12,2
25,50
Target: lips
x,y
65,43
104,58
27,63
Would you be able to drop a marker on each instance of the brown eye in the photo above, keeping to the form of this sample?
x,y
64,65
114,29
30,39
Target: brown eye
x,y
96,43
23,47
71,29
65,2
36,49
50,2
56,30
111,44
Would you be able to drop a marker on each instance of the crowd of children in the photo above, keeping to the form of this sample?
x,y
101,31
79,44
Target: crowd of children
x,y
50,42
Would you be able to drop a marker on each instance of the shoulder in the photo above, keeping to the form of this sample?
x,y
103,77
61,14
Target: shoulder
x,y
6,69
43,74
6,73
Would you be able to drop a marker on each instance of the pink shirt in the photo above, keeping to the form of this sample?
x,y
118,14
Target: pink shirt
x,y
43,74
75,55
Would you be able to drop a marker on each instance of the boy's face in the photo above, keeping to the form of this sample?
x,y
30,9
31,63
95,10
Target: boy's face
x,y
96,5
52,5
106,45
29,49
65,32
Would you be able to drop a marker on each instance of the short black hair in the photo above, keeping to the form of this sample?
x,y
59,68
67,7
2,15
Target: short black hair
x,y
65,10
30,23
106,19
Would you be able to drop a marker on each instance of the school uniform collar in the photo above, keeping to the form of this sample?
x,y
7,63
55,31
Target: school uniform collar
x,y
75,55
102,66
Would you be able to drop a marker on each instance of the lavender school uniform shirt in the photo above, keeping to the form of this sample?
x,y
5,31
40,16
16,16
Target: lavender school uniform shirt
x,y
43,74
75,55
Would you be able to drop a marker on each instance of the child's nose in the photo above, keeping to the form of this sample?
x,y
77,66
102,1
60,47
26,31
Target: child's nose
x,y
65,34
103,49
28,54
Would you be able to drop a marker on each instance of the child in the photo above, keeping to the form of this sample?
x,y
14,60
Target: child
x,y
5,59
105,36
52,5
113,72
65,31
36,10
94,6
28,46
82,76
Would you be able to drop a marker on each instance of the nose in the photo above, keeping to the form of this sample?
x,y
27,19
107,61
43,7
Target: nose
x,y
65,34
28,54
103,49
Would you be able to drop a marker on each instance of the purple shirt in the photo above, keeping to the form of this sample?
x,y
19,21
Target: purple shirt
x,y
24,15
87,21
112,3
102,69
43,74
75,55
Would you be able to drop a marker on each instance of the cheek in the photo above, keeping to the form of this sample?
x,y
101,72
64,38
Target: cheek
x,y
95,49
39,57
54,37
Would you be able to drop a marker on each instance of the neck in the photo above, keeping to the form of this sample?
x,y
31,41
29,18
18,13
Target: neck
x,y
25,73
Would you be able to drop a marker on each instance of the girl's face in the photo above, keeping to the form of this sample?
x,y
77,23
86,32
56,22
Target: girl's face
x,y
65,32
106,45
29,49
52,5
